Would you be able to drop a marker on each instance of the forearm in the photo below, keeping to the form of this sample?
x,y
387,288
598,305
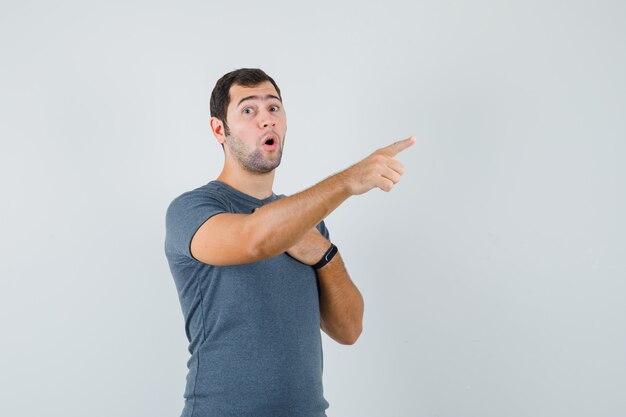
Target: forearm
x,y
341,303
277,226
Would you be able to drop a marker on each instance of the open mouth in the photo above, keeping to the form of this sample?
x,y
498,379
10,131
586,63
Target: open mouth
x,y
270,143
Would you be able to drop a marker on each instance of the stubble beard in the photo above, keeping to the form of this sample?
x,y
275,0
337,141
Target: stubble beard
x,y
254,161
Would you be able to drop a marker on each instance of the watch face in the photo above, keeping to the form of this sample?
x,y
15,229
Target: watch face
x,y
330,253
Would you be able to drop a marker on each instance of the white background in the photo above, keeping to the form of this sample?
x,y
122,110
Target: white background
x,y
493,274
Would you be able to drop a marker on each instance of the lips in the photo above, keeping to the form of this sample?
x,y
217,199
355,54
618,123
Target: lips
x,y
270,142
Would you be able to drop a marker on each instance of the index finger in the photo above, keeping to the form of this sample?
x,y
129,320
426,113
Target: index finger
x,y
397,147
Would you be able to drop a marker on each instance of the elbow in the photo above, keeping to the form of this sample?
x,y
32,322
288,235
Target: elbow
x,y
345,335
353,332
350,337
260,249
257,244
263,242
255,251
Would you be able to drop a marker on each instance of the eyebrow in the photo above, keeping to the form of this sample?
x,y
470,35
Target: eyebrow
x,y
267,97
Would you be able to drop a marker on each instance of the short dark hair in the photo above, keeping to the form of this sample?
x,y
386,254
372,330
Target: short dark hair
x,y
247,77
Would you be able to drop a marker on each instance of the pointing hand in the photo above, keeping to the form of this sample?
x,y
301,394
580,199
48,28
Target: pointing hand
x,y
379,170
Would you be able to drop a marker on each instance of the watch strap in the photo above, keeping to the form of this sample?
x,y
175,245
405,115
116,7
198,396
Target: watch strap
x,y
328,256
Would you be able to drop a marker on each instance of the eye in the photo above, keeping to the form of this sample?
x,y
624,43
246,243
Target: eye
x,y
247,110
275,108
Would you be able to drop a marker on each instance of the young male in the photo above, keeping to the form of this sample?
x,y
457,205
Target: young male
x,y
256,273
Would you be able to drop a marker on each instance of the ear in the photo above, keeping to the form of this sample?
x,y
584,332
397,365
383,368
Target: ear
x,y
217,127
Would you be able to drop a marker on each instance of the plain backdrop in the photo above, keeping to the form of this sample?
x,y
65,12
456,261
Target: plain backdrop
x,y
493,274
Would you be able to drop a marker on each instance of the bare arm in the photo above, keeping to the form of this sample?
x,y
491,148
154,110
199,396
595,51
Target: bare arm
x,y
230,239
341,303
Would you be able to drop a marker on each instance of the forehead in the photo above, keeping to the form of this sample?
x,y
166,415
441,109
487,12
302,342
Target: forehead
x,y
239,92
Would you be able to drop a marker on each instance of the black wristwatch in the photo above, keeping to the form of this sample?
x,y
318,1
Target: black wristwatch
x,y
330,254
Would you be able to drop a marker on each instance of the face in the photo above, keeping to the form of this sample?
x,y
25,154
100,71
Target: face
x,y
257,125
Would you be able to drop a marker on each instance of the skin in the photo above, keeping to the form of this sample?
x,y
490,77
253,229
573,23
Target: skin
x,y
231,239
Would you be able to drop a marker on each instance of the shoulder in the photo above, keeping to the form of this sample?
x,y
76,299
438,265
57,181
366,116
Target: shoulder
x,y
196,206
208,195
187,212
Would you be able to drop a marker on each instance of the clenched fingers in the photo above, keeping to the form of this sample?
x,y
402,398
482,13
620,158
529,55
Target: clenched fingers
x,y
396,165
391,175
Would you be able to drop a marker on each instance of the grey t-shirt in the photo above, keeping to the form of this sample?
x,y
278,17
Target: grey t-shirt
x,y
253,329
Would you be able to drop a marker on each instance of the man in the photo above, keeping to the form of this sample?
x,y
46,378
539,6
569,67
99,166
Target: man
x,y
255,272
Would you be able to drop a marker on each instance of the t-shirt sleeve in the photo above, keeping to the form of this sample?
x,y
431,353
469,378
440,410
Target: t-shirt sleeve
x,y
321,226
184,217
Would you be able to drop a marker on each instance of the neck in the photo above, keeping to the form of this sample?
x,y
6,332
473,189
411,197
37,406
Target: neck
x,y
256,185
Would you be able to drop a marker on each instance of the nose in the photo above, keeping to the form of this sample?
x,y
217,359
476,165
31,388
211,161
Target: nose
x,y
267,119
